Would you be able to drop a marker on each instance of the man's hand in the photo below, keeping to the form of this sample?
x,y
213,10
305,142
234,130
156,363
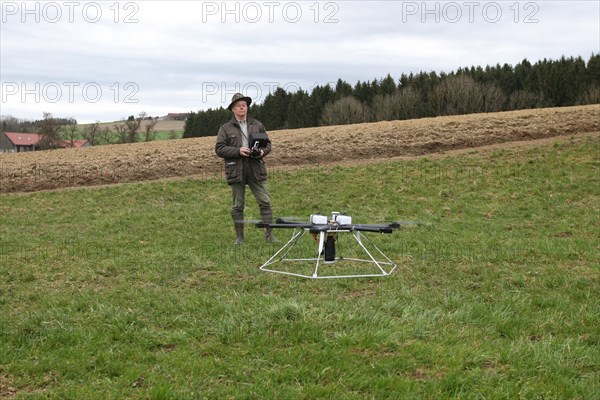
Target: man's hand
x,y
244,152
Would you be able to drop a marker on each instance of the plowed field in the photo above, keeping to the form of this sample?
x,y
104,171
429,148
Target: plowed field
x,y
23,172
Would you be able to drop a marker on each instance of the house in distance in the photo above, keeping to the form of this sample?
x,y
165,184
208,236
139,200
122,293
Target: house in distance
x,y
13,142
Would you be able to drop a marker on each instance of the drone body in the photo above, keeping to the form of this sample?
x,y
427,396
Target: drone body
x,y
325,231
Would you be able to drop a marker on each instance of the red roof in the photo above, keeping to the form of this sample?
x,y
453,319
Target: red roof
x,y
23,139
28,139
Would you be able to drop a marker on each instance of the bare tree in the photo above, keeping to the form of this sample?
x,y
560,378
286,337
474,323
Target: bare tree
x,y
347,110
133,126
493,98
437,99
149,132
121,131
460,94
71,133
405,103
92,133
381,108
590,96
522,100
49,128
108,136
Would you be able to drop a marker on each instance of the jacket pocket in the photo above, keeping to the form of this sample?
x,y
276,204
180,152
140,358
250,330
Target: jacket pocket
x,y
230,171
261,171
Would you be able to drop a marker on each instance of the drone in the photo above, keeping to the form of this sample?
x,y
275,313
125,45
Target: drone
x,y
320,223
326,232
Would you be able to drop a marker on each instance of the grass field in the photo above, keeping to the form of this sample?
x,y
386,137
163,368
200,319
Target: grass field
x,y
162,128
136,291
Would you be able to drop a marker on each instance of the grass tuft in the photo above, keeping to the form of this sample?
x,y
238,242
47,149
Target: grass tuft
x,y
136,291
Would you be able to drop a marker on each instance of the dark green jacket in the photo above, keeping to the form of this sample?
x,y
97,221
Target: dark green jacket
x,y
229,141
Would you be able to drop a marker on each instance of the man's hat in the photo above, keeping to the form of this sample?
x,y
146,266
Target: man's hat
x,y
237,97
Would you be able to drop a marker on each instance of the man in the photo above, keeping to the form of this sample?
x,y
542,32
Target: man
x,y
244,166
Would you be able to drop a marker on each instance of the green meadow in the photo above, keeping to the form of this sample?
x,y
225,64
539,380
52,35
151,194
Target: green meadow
x,y
136,291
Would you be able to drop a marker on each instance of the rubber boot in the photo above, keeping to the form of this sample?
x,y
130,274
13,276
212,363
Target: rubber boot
x,y
238,222
269,237
267,218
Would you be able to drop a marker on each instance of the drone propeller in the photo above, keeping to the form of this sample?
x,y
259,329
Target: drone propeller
x,y
276,219
286,225
400,223
248,221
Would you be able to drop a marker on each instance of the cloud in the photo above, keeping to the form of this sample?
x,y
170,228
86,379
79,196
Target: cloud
x,y
169,56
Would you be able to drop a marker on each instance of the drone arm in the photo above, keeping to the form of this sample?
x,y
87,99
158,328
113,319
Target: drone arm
x,y
369,228
316,228
284,225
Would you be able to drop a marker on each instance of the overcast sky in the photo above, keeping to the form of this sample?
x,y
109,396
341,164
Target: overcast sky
x,y
106,60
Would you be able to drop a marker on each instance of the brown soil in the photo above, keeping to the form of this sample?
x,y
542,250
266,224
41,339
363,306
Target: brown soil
x,y
24,172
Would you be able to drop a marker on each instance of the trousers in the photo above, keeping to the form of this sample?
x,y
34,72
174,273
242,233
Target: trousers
x,y
259,190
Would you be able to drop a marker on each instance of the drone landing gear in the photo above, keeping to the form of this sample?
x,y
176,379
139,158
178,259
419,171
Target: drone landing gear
x,y
329,251
327,254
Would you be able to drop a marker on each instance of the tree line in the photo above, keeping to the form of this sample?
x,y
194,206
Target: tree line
x,y
546,83
56,131
131,130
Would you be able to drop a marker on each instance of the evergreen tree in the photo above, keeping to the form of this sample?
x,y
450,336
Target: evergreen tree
x,y
205,123
388,85
188,126
319,97
405,80
363,92
299,110
275,107
593,70
343,89
522,73
374,89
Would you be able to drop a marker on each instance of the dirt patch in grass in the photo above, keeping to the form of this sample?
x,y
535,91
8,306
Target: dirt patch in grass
x,y
25,172
6,387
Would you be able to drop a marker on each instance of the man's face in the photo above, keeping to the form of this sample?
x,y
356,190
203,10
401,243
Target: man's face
x,y
240,109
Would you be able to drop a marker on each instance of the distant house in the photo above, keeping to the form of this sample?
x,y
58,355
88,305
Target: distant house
x,y
13,142
176,116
